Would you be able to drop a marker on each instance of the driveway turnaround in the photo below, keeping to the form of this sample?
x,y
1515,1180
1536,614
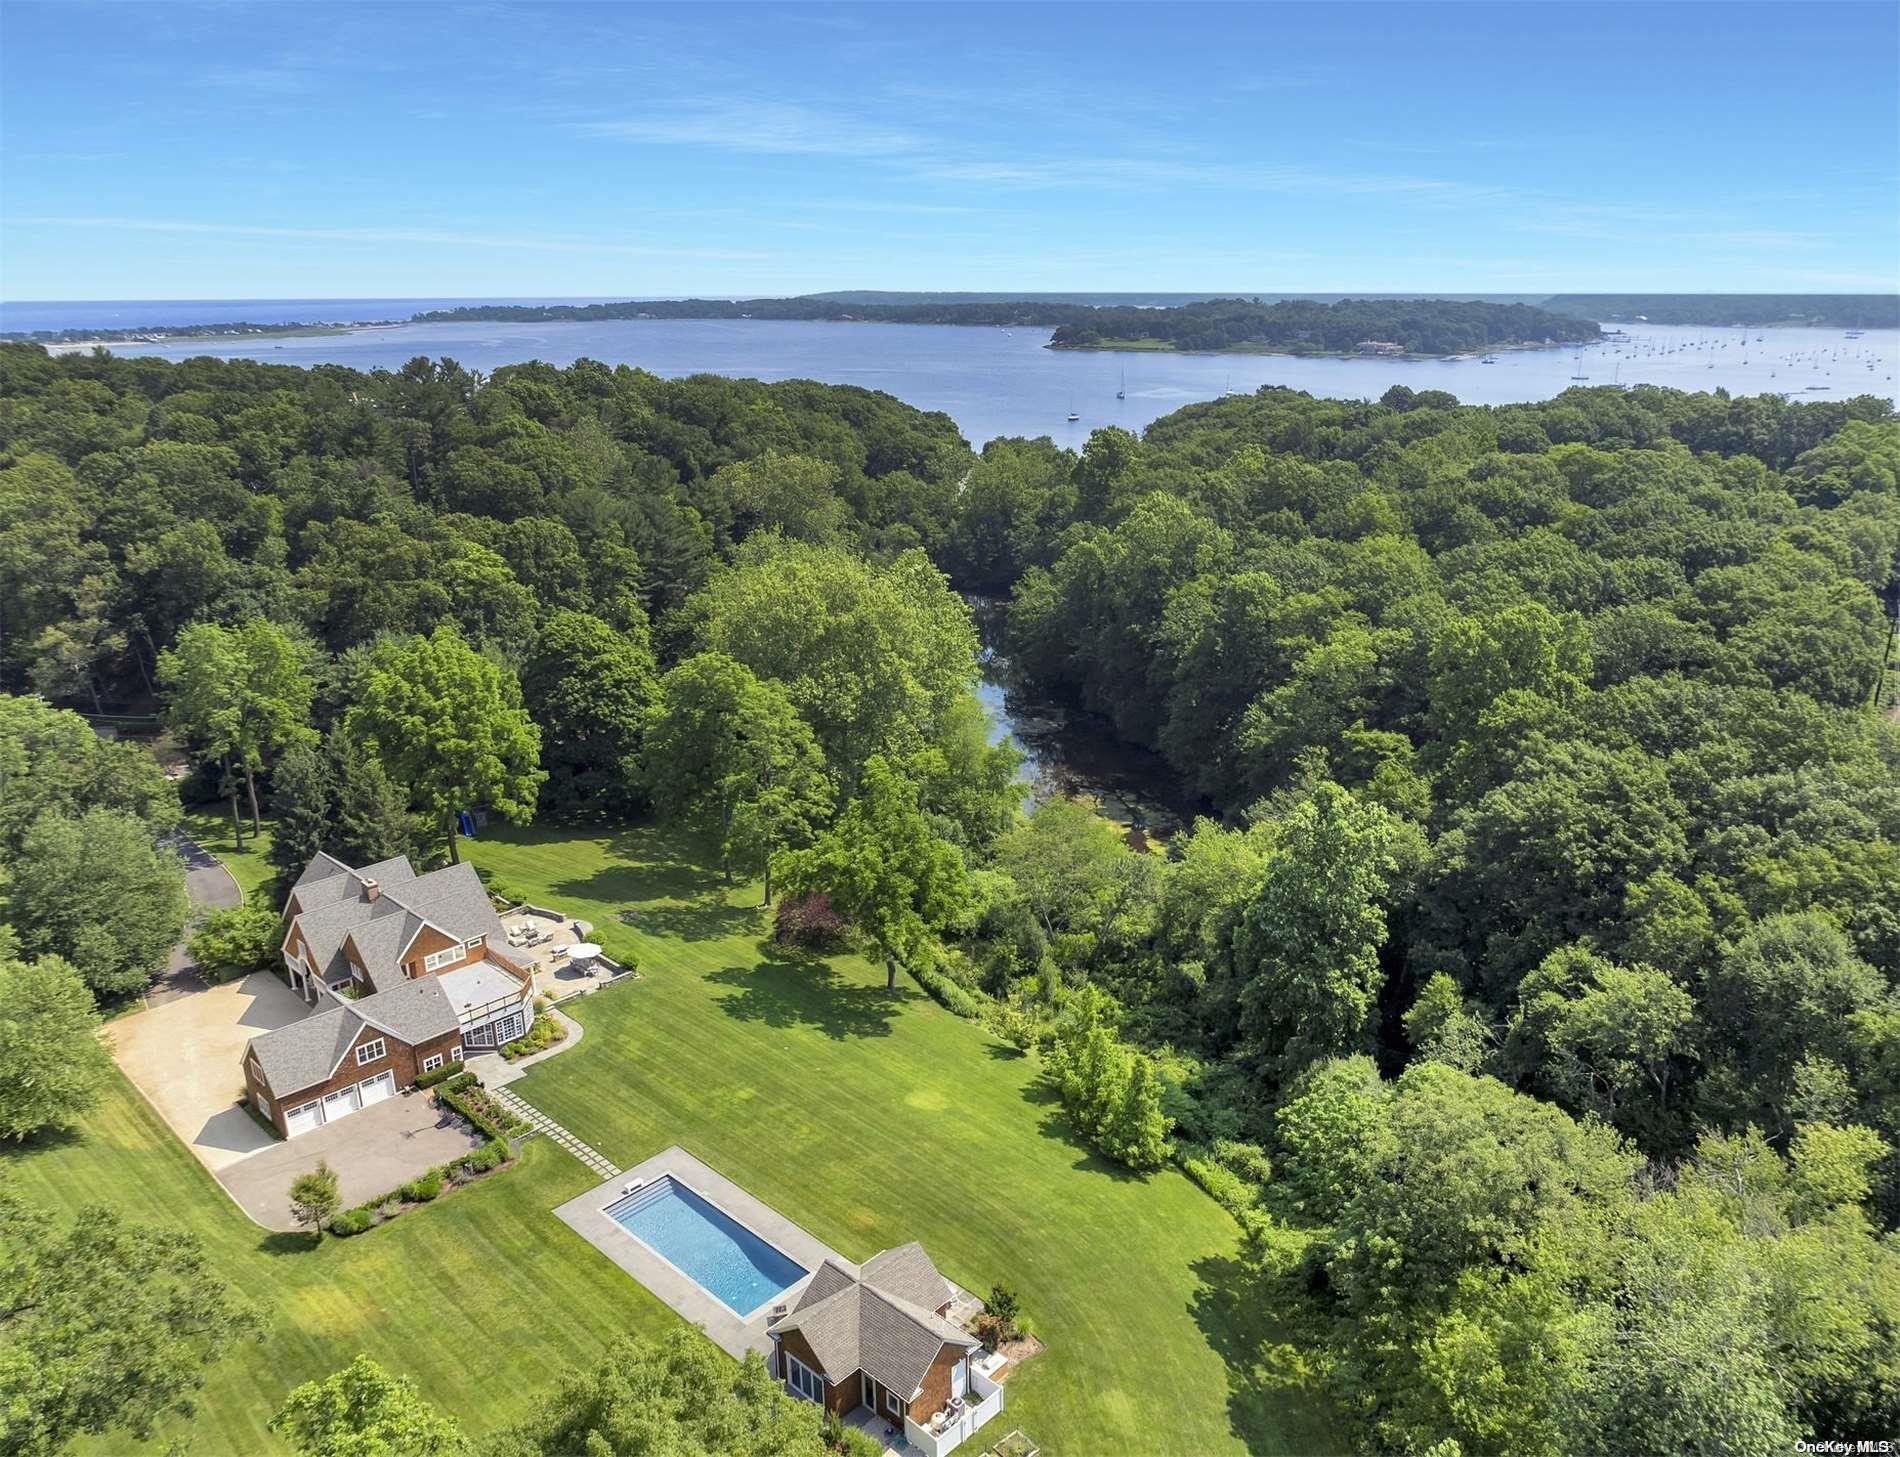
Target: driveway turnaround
x,y
372,1153
184,1053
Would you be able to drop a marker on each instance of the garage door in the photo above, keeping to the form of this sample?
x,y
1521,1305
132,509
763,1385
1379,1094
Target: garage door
x,y
340,1104
375,1089
302,1120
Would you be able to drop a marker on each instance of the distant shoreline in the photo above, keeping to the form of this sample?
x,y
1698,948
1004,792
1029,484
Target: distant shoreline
x,y
62,342
1162,346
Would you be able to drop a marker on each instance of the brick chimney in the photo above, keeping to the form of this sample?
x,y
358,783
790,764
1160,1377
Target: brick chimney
x,y
371,890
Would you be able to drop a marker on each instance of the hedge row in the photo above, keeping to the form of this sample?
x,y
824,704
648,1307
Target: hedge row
x,y
1233,1174
466,1096
945,992
421,1189
442,1074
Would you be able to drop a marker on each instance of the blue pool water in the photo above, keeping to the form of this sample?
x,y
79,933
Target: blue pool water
x,y
702,1241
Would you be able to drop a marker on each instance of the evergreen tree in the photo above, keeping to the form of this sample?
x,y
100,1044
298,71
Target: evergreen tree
x,y
303,809
1137,1133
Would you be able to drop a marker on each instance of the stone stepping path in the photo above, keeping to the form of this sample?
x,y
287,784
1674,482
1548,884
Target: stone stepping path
x,y
546,1126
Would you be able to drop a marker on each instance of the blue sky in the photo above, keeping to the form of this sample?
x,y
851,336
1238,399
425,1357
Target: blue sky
x,y
310,150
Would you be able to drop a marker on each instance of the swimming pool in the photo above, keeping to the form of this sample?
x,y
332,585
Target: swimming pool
x,y
706,1244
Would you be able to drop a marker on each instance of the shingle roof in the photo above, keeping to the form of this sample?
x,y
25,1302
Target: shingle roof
x,y
305,1053
324,867
907,1272
864,1323
334,906
415,1010
452,898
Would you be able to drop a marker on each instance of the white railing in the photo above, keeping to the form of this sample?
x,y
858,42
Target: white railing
x,y
984,1401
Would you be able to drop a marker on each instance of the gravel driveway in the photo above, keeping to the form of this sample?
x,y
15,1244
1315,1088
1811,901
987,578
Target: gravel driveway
x,y
184,1055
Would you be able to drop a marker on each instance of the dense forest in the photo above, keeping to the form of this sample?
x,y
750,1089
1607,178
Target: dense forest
x,y
1529,992
1300,326
1830,310
1423,326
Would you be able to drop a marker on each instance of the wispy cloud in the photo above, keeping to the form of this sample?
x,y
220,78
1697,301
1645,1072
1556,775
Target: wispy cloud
x,y
445,238
761,126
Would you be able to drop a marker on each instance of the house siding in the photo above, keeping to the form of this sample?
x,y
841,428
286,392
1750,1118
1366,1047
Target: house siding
x,y
402,1058
427,942
839,1399
935,1393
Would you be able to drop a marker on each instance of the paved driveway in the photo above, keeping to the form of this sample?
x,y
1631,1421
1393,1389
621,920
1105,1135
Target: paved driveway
x,y
372,1152
184,1054
211,888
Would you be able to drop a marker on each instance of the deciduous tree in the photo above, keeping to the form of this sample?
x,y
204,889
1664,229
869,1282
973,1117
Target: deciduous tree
x,y
366,1411
882,867
52,1063
448,724
108,1326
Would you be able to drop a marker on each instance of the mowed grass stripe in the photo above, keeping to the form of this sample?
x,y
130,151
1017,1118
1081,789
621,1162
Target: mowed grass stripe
x,y
870,1119
483,1297
873,1118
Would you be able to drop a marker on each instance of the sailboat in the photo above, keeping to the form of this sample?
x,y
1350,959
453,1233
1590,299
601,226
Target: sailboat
x,y
1073,417
1122,393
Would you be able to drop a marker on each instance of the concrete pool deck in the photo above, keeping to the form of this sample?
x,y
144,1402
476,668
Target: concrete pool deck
x,y
587,1217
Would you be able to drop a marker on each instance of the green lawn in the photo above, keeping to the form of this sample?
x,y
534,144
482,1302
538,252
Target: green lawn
x,y
210,826
483,1297
868,1118
874,1118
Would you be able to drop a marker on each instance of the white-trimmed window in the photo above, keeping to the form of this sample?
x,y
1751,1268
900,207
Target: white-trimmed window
x,y
891,1403
802,1380
432,1062
476,944
436,959
263,1105
369,1052
455,1053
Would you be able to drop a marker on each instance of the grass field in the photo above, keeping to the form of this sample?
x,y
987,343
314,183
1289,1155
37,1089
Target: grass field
x,y
872,1118
483,1297
869,1118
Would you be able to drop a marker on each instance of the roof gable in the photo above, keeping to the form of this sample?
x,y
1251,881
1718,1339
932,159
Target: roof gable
x,y
861,1323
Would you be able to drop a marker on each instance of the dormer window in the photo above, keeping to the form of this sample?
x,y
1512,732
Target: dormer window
x,y
437,959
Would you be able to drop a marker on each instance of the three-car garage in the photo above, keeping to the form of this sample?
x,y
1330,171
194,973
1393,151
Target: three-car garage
x,y
339,1104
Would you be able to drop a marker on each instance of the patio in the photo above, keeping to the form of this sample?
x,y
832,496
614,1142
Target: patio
x,y
543,940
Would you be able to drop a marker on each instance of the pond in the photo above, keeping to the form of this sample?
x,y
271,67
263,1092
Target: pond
x,y
1071,752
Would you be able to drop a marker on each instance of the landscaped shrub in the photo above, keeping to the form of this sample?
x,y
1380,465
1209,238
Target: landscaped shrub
x,y
352,1221
810,921
1233,1173
946,992
422,1189
546,1032
236,942
483,1113
999,1323
490,1155
436,1075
